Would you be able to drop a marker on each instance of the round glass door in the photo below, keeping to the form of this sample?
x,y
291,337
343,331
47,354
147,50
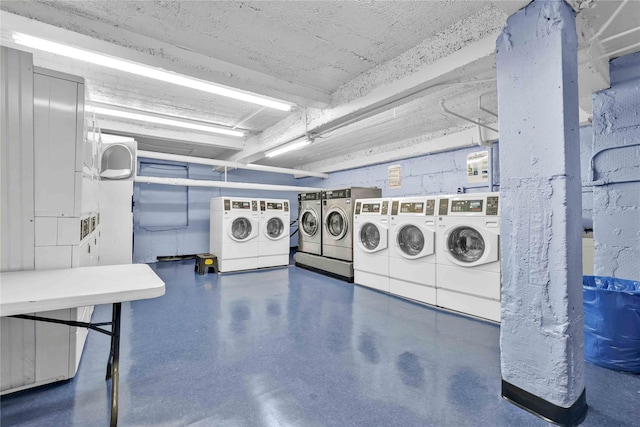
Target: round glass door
x,y
336,224
411,240
275,228
369,236
309,223
241,228
466,244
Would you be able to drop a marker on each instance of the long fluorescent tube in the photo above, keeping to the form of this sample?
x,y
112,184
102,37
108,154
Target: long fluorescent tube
x,y
145,71
287,148
162,121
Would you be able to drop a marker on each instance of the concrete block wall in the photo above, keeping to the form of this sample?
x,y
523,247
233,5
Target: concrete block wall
x,y
616,191
439,173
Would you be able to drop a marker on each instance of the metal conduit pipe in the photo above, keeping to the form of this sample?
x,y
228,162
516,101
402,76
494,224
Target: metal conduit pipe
x,y
399,99
622,34
475,122
481,140
225,163
186,182
484,109
609,21
592,165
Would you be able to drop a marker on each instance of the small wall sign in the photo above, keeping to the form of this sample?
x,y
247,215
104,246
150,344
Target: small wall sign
x,y
395,176
478,167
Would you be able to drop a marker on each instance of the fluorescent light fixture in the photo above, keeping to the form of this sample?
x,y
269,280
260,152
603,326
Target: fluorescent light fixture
x,y
288,147
146,71
162,121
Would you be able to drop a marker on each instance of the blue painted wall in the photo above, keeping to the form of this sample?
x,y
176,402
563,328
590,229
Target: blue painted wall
x,y
616,191
440,173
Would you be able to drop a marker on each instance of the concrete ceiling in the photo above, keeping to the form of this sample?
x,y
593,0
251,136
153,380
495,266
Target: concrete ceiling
x,y
367,78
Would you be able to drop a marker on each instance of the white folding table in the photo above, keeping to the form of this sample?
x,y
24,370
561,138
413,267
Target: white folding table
x,y
32,291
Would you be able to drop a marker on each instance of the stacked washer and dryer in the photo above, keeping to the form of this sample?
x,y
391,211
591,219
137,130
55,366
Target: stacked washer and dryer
x,y
248,233
336,241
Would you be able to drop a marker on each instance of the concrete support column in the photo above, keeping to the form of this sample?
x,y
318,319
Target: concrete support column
x,y
542,332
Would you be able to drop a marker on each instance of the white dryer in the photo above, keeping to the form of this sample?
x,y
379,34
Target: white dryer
x,y
234,232
412,260
371,249
310,223
468,257
273,239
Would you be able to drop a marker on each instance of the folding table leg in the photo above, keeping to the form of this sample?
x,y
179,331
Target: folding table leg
x,y
114,362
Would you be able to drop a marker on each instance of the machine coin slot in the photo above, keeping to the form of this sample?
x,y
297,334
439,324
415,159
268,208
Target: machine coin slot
x,y
358,208
385,208
431,208
492,205
443,207
394,207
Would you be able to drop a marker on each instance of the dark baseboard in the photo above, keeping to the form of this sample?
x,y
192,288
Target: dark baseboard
x,y
567,417
325,273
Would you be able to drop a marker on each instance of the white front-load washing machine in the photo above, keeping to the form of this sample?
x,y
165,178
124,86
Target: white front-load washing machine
x,y
412,260
468,256
273,238
371,249
310,223
233,234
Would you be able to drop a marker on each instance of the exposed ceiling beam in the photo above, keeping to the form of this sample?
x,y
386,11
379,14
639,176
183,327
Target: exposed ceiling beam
x,y
127,45
461,65
228,164
163,133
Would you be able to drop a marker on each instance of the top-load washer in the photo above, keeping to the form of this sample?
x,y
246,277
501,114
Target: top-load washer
x,y
310,223
234,232
337,214
412,259
273,239
468,256
371,249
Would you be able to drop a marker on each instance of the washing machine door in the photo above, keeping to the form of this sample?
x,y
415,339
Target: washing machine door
x,y
274,228
336,223
372,237
468,246
414,241
241,229
309,222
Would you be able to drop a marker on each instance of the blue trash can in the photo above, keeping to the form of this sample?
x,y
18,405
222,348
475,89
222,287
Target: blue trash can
x,y
612,322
